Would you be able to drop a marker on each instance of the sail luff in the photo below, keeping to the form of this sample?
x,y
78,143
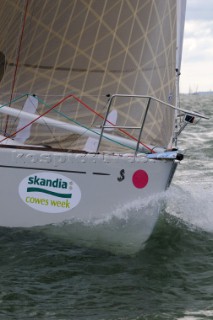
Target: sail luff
x,y
181,11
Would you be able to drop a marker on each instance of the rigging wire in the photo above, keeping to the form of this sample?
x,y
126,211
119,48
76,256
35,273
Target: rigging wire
x,y
121,130
17,59
86,106
52,108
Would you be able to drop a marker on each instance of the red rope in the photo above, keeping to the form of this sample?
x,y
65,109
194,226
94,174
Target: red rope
x,y
43,114
86,106
121,130
17,60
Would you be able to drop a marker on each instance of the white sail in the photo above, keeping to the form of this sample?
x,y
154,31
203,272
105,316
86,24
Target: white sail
x,y
92,49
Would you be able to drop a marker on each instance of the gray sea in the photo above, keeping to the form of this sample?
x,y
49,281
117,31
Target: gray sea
x,y
89,272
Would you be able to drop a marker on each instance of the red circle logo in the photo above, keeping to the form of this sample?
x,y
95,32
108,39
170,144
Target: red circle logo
x,y
140,179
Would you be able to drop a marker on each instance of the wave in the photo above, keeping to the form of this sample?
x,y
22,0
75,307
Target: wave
x,y
120,232
192,204
182,210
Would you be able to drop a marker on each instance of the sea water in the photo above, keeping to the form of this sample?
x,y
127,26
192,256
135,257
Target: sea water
x,y
91,271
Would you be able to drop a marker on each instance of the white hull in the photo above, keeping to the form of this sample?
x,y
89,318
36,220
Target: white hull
x,y
100,184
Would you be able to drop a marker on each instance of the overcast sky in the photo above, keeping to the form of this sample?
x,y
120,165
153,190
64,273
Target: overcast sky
x,y
197,61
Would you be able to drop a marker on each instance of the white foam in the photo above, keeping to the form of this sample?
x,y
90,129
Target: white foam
x,y
192,204
123,231
196,315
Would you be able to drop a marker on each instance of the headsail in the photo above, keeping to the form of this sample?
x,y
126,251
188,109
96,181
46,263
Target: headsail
x,y
91,48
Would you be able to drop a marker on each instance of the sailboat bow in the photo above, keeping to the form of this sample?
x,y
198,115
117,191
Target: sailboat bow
x,y
90,113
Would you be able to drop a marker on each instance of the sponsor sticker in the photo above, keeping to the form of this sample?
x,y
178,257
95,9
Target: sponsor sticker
x,y
49,192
